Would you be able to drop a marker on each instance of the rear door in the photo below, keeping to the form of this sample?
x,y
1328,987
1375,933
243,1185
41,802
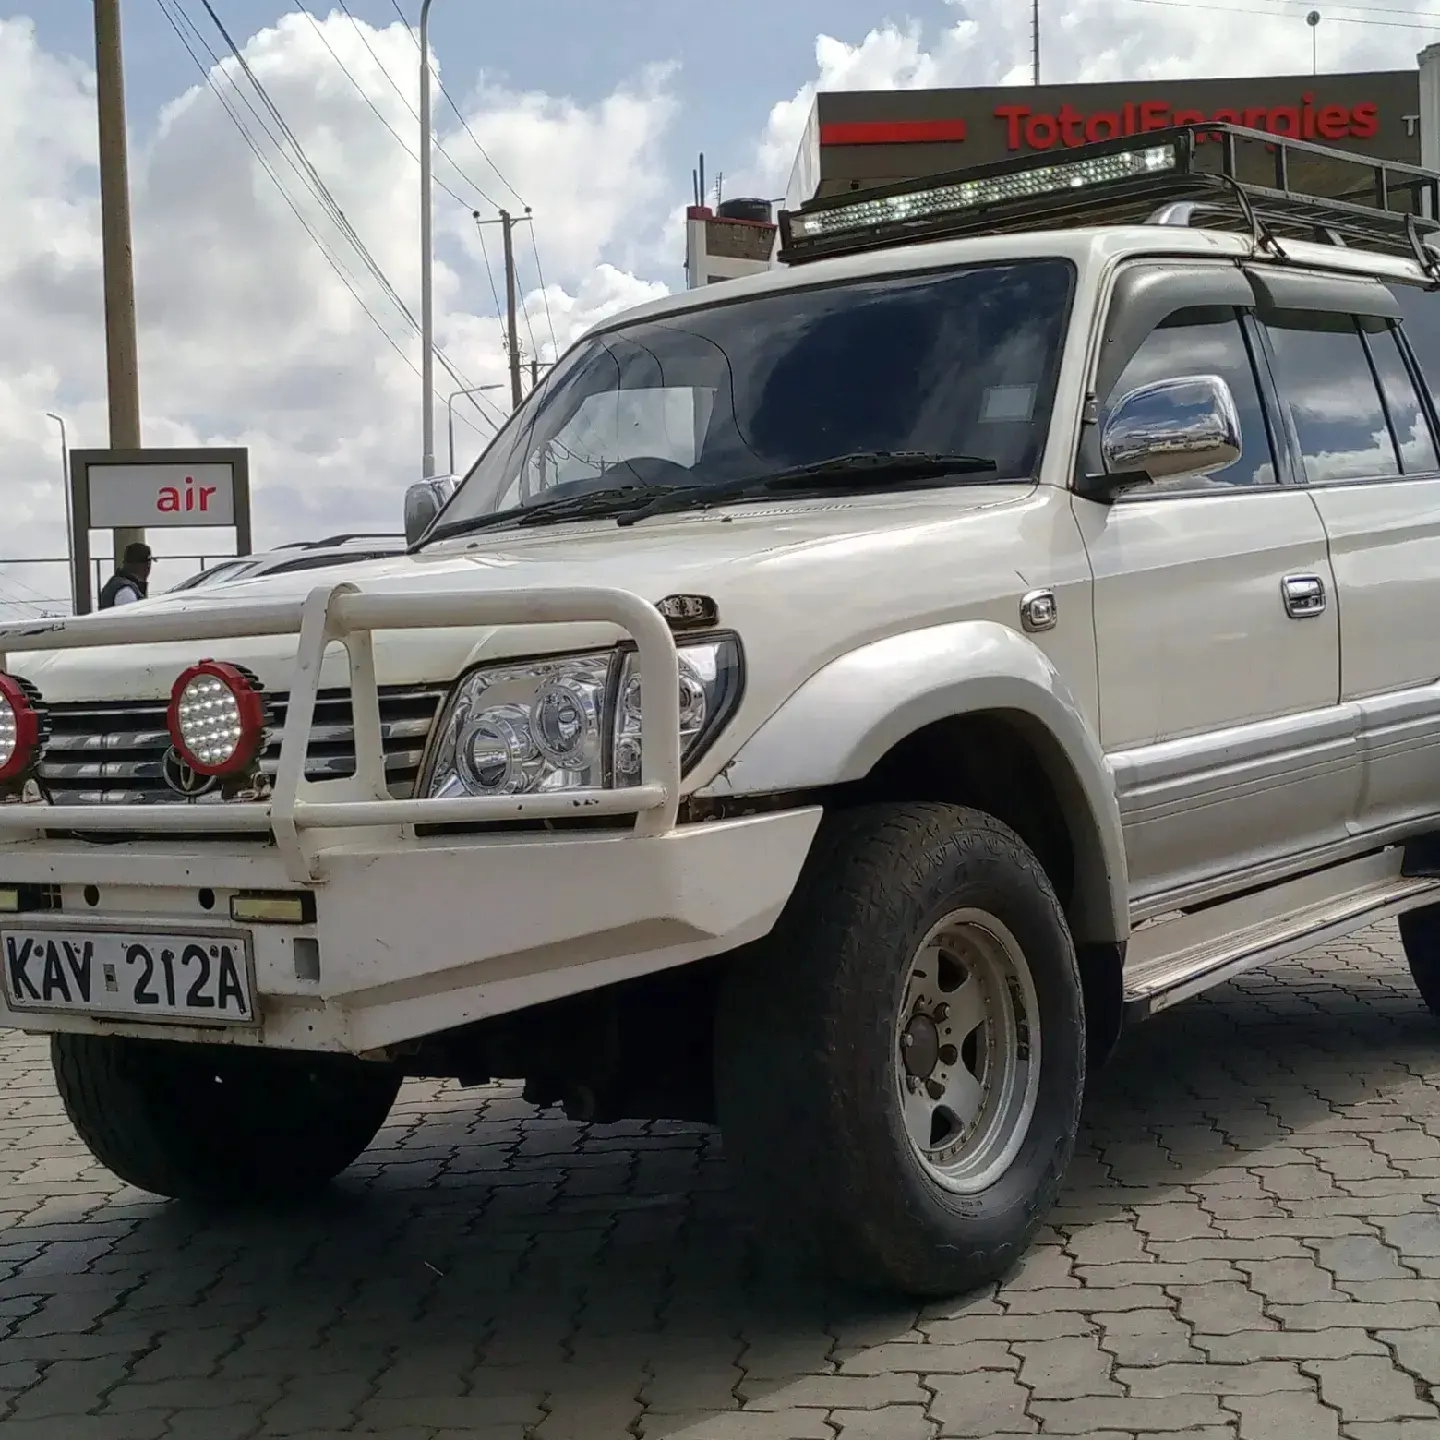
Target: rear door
x,y
1218,690
1363,422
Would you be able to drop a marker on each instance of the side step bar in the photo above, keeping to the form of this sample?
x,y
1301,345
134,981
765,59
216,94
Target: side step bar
x,y
1173,959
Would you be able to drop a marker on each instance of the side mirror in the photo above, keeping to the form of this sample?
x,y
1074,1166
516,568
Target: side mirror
x,y
423,502
1185,426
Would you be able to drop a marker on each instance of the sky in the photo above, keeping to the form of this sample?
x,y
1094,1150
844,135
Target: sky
x,y
591,112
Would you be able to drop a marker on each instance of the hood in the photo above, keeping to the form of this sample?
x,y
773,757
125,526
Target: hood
x,y
805,563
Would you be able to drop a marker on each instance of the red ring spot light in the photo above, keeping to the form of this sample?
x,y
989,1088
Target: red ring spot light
x,y
217,718
24,728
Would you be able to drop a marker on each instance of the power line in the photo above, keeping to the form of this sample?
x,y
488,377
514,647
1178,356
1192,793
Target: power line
x,y
489,160
312,179
343,275
360,30
378,113
1276,15
459,114
544,292
490,275
1364,8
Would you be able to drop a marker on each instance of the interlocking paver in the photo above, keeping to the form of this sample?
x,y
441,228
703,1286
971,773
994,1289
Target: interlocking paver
x,y
1248,1247
1370,1388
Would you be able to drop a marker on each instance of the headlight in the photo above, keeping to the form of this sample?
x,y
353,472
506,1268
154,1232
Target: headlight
x,y
571,723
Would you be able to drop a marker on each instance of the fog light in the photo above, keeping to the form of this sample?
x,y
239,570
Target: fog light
x,y
273,908
217,718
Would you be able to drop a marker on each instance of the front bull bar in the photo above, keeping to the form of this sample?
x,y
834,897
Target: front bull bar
x,y
297,807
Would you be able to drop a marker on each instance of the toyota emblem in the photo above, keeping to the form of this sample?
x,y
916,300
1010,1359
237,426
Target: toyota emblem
x,y
183,778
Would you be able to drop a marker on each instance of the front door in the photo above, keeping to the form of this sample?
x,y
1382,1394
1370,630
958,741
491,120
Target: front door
x,y
1217,633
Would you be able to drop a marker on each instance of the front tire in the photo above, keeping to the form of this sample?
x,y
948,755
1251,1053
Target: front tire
x,y
219,1123
900,1066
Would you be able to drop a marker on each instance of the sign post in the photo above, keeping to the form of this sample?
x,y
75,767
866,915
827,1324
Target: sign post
x,y
154,490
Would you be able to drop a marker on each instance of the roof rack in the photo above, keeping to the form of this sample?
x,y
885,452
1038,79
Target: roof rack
x,y
1221,176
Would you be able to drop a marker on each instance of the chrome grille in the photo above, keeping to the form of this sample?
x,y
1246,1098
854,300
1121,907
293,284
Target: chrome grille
x,y
113,753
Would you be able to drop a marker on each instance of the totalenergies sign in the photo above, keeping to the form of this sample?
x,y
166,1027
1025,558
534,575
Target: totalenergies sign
x,y
1029,129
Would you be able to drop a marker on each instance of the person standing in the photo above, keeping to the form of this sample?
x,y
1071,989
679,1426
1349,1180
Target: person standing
x,y
131,582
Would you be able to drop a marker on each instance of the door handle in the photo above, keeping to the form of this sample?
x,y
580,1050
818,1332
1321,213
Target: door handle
x,y
1304,596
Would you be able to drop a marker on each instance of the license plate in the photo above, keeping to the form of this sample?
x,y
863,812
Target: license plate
x,y
196,977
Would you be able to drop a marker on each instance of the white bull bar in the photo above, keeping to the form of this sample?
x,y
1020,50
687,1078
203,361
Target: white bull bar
x,y
344,614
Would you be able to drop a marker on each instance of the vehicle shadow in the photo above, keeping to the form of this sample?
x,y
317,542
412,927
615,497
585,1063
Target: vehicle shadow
x,y
487,1269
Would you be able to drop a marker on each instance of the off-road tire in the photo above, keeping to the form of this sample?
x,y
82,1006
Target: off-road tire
x,y
805,1057
1420,935
219,1124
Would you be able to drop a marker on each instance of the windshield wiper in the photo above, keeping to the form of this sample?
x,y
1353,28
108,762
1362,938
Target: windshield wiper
x,y
612,500
843,470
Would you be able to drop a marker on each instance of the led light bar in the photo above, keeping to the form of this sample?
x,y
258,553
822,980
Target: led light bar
x,y
991,190
1229,176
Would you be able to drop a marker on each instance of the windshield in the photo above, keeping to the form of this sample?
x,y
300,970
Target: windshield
x,y
959,362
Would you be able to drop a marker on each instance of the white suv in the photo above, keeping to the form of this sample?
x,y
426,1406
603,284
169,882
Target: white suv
x,y
1029,590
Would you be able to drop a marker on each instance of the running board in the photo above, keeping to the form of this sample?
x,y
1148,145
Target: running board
x,y
1172,959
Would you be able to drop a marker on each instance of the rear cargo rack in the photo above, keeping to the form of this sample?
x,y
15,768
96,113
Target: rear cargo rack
x,y
1219,176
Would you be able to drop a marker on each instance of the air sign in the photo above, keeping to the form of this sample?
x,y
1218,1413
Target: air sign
x,y
151,495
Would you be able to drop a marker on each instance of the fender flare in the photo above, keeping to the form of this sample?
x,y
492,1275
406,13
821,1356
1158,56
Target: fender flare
x,y
847,716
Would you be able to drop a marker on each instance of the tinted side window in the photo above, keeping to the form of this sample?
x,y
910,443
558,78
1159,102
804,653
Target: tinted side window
x,y
1407,415
1421,312
1326,381
1206,342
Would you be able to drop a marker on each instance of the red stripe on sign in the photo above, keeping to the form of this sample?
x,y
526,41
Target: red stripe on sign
x,y
891,132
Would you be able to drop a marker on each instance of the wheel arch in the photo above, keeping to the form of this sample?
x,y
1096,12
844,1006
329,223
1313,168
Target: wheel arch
x,y
857,721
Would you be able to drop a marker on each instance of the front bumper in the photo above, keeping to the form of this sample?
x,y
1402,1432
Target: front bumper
x,y
419,938
413,933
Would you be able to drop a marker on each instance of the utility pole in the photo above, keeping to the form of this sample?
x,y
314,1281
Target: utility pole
x,y
534,371
1035,41
427,258
122,361
507,224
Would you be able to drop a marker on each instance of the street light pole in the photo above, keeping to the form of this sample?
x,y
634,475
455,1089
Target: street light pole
x,y
69,514
427,278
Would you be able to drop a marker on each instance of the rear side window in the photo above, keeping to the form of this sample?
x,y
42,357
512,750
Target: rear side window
x,y
1326,382
1407,414
1420,310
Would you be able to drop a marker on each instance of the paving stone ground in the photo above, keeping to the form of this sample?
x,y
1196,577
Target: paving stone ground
x,y
1248,1249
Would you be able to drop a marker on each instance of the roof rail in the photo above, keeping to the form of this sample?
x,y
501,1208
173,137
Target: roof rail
x,y
1221,176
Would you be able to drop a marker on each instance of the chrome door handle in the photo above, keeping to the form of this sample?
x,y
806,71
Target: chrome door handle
x,y
1304,596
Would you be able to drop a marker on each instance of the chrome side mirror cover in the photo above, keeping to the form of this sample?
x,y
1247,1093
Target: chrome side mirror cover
x,y
1185,426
